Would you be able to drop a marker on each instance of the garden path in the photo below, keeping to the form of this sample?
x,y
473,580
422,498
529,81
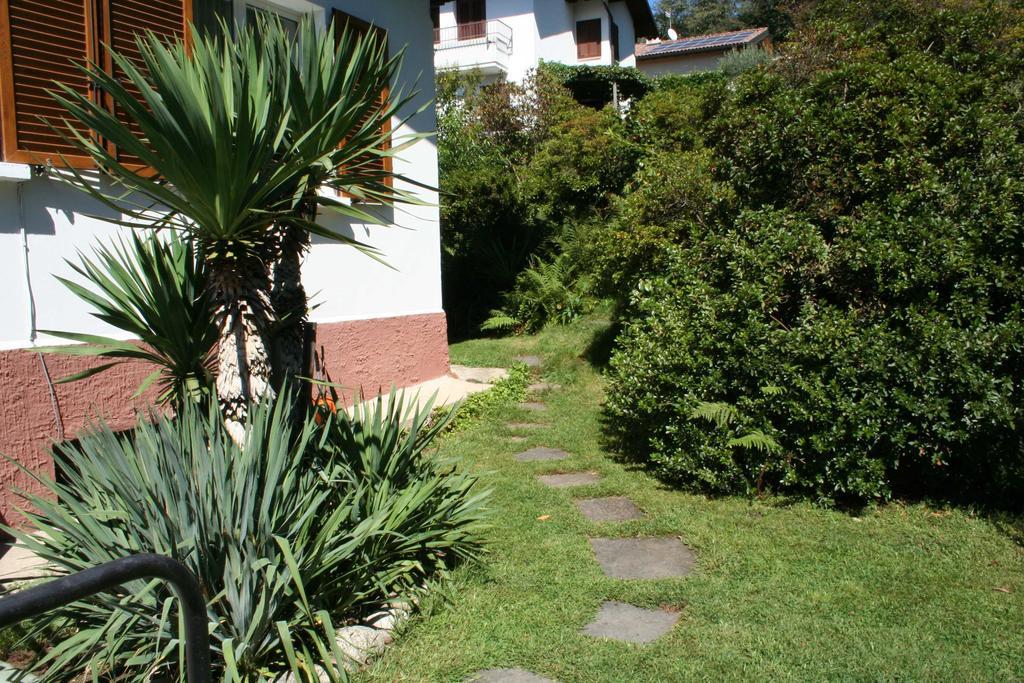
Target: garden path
x,y
645,558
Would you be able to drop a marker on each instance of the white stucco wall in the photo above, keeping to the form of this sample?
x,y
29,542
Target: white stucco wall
x,y
683,64
546,30
346,284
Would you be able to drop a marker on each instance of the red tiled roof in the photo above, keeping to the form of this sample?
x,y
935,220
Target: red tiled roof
x,y
706,43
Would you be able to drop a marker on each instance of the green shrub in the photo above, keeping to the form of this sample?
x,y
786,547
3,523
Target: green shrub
x,y
847,228
152,287
289,535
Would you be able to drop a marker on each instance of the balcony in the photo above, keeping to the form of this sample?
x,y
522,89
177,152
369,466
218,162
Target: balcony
x,y
485,46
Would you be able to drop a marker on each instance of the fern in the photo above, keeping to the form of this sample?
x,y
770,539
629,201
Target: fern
x,y
722,414
499,320
757,440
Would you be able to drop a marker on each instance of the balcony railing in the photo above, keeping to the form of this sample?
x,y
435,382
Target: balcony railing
x,y
492,32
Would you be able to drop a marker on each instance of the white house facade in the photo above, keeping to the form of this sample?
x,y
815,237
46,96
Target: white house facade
x,y
379,324
509,38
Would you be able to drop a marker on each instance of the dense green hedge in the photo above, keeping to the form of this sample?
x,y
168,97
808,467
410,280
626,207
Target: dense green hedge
x,y
825,256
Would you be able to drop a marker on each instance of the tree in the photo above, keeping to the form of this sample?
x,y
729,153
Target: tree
x,y
697,17
230,140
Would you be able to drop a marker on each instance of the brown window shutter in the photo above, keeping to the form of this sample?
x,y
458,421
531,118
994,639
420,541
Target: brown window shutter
x,y
123,20
588,39
361,28
471,17
41,41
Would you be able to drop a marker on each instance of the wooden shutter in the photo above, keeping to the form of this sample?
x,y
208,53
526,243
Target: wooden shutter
x,y
123,20
361,28
41,41
588,39
471,17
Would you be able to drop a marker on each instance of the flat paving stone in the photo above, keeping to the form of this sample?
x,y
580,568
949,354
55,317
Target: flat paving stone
x,y
508,676
523,425
621,621
541,387
529,361
643,558
517,439
569,479
478,375
533,406
613,509
541,454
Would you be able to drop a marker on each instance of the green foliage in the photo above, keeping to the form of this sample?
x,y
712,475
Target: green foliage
x,y
154,289
846,223
504,392
593,84
696,17
290,534
521,166
742,61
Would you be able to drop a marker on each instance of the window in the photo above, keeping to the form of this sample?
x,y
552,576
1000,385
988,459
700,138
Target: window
x,y
588,39
371,162
471,16
41,41
435,21
615,42
247,12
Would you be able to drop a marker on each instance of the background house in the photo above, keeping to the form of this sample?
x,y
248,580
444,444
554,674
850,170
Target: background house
x,y
697,53
379,325
508,38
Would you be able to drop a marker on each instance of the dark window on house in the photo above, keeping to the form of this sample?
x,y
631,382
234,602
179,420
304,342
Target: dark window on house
x,y
588,39
615,41
372,163
435,20
471,16
42,41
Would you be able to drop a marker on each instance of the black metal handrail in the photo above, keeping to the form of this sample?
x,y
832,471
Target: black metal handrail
x,y
37,600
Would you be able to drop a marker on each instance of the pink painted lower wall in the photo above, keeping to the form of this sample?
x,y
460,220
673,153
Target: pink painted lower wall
x,y
364,355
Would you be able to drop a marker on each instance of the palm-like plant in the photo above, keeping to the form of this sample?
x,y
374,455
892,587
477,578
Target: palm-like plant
x,y
217,155
155,290
337,89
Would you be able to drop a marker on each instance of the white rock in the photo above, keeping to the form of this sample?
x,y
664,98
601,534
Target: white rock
x,y
321,675
359,643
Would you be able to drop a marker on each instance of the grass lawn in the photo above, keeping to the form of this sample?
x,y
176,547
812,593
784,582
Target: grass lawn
x,y
782,591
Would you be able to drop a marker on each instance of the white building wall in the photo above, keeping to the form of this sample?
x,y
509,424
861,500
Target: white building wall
x,y
683,64
347,285
546,30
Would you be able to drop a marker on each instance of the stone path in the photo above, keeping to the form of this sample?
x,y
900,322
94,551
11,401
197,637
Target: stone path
x,y
542,454
621,621
643,558
613,509
619,558
508,676
569,479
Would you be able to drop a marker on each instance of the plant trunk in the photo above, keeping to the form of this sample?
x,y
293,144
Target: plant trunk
x,y
243,316
290,304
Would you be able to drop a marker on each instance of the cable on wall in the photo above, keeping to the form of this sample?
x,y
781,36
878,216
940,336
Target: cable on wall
x,y
58,418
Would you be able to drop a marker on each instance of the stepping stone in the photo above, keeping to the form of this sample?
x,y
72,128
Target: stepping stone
x,y
529,361
541,387
619,621
643,558
508,676
478,375
614,509
517,439
533,406
523,425
541,454
569,479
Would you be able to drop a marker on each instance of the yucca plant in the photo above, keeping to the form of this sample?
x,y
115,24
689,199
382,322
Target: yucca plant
x,y
290,535
216,154
337,88
154,289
